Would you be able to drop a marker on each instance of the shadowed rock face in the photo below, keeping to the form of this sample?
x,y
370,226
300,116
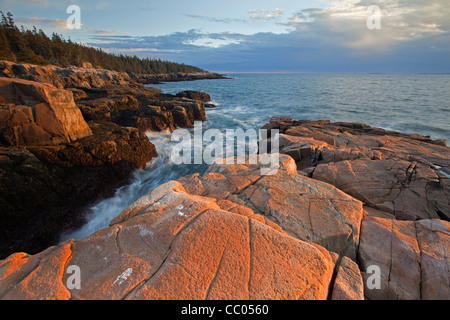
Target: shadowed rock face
x,y
144,108
53,164
45,189
409,190
348,284
194,95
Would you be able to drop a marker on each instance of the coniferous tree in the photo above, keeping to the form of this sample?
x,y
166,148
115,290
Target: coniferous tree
x,y
34,46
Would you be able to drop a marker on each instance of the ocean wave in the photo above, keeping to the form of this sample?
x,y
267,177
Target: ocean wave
x,y
249,101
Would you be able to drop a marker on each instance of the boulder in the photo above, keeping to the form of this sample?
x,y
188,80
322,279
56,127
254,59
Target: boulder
x,y
348,284
404,175
411,257
70,77
78,94
194,95
433,239
174,246
38,114
305,208
349,141
409,191
217,237
142,108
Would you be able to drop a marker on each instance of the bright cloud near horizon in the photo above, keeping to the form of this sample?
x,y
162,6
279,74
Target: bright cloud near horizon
x,y
258,36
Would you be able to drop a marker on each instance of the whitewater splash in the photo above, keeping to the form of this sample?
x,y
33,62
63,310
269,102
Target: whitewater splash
x,y
158,171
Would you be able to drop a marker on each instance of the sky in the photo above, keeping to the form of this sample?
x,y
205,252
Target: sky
x,y
347,36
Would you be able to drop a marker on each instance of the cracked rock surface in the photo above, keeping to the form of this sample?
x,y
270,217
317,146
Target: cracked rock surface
x,y
405,175
235,233
172,244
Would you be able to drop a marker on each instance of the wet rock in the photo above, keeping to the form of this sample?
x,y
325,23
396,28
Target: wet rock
x,y
45,189
142,108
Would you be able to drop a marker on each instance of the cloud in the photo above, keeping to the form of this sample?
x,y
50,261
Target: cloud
x,y
265,15
213,19
213,41
105,32
179,41
58,24
414,37
345,22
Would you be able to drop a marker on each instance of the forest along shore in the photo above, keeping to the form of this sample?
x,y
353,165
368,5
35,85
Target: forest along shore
x,y
354,212
70,136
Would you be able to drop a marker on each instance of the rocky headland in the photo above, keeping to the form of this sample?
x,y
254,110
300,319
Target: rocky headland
x,y
88,76
171,77
70,136
347,199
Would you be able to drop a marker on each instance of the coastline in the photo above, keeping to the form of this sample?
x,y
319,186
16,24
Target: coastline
x,y
72,136
346,197
177,77
319,223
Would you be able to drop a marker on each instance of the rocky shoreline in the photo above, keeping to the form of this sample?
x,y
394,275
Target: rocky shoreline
x,y
347,199
89,77
70,136
171,77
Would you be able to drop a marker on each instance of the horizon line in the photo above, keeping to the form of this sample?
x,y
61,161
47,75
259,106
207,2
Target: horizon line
x,y
320,72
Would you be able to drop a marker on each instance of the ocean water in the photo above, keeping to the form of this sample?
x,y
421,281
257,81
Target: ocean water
x,y
418,103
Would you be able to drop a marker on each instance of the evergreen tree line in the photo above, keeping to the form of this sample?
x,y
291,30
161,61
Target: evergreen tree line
x,y
35,47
